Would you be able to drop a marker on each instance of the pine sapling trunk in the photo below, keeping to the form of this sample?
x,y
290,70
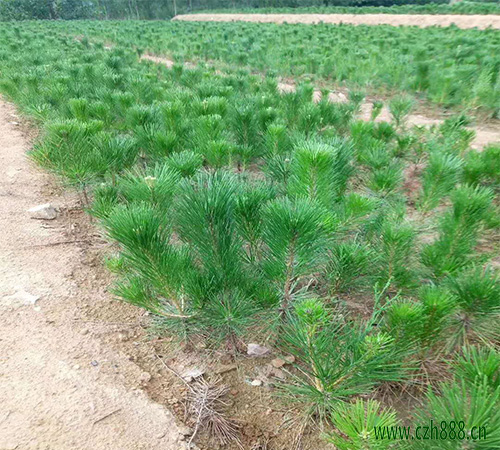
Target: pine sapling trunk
x,y
317,382
288,287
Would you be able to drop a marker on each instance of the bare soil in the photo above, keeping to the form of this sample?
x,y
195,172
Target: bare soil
x,y
420,20
65,381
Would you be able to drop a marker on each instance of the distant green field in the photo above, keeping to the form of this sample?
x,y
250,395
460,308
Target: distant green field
x,y
430,8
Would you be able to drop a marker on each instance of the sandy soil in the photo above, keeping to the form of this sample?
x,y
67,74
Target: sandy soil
x,y
420,20
62,387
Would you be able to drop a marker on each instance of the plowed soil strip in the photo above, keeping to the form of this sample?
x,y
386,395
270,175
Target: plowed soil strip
x,y
418,20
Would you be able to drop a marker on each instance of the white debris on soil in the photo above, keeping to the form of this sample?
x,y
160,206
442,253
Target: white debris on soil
x,y
278,363
193,373
19,298
45,212
257,350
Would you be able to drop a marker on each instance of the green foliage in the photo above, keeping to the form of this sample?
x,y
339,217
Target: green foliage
x,y
475,405
186,162
458,230
483,167
348,265
320,171
295,237
394,250
156,185
355,423
204,217
400,107
363,7
439,178
478,363
477,293
157,272
338,359
422,323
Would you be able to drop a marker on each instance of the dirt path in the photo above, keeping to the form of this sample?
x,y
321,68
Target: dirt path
x,y
63,384
419,20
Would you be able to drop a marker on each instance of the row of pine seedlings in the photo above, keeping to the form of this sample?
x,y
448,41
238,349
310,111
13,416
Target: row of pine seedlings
x,y
243,214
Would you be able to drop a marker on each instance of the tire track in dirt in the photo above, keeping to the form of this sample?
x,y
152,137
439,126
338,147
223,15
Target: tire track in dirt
x,y
484,135
419,20
63,384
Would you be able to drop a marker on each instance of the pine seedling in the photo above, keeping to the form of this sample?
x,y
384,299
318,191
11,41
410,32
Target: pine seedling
x,y
79,109
155,142
355,100
141,115
118,152
422,324
309,119
158,272
460,407
185,162
477,363
353,209
404,321
206,129
294,101
210,106
245,126
374,153
156,186
312,172
355,424
205,220
276,140
440,176
338,359
384,131
455,136
477,296
376,110
400,107
347,266
250,201
394,247
105,198
226,317
483,167
337,115
68,151
295,236
278,171
320,171
437,304
218,154
458,230
386,180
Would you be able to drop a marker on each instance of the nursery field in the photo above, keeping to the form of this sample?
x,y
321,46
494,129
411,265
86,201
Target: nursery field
x,y
448,67
307,275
